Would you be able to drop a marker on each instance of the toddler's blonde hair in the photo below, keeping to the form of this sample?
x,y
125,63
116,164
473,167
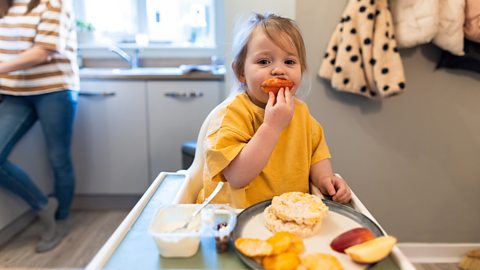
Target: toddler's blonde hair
x,y
280,30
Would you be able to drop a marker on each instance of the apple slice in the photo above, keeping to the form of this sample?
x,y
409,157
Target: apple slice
x,y
373,250
350,238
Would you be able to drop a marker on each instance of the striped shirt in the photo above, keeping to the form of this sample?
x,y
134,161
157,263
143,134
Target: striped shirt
x,y
51,25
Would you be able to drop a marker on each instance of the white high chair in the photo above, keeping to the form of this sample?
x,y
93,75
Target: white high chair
x,y
188,184
193,184
194,174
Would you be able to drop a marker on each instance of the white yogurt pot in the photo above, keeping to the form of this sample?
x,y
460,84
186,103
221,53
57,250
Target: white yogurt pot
x,y
176,243
185,242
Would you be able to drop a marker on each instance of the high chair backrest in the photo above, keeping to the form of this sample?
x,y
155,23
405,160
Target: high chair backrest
x,y
194,174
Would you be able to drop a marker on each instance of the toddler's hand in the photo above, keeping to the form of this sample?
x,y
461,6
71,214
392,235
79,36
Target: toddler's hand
x,y
335,187
279,111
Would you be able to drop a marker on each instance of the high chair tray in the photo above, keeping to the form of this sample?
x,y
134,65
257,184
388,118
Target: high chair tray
x,y
131,246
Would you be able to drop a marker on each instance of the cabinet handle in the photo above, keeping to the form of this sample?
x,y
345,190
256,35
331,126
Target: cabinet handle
x,y
191,94
97,94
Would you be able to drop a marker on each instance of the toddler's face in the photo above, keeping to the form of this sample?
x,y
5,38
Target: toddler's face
x,y
265,60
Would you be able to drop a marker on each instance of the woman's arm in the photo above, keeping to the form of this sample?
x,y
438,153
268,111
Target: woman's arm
x,y
321,175
29,58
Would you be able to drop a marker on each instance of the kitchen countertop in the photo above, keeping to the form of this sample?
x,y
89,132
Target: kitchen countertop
x,y
183,72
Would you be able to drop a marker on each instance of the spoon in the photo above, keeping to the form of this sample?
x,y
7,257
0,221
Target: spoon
x,y
205,203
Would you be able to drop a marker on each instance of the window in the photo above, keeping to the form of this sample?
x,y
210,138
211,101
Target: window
x,y
181,22
172,23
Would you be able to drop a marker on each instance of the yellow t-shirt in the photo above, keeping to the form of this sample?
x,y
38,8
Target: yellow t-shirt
x,y
300,145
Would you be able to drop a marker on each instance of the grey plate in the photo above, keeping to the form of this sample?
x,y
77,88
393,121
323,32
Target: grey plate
x,y
258,208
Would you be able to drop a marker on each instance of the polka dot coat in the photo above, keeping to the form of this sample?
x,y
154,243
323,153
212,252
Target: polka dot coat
x,y
362,55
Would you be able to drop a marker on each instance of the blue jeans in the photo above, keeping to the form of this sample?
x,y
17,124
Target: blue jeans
x,y
56,113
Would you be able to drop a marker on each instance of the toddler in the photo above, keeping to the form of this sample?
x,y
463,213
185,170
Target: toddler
x,y
264,144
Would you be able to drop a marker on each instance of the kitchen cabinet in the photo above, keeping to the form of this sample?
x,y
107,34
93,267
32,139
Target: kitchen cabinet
x,y
110,138
176,110
126,132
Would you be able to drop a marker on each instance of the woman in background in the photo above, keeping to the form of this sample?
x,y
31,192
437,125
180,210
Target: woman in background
x,y
39,81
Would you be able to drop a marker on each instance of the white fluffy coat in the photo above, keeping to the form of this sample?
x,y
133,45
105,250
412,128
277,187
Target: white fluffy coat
x,y
423,21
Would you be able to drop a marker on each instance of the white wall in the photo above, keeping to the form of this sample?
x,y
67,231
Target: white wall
x,y
412,159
